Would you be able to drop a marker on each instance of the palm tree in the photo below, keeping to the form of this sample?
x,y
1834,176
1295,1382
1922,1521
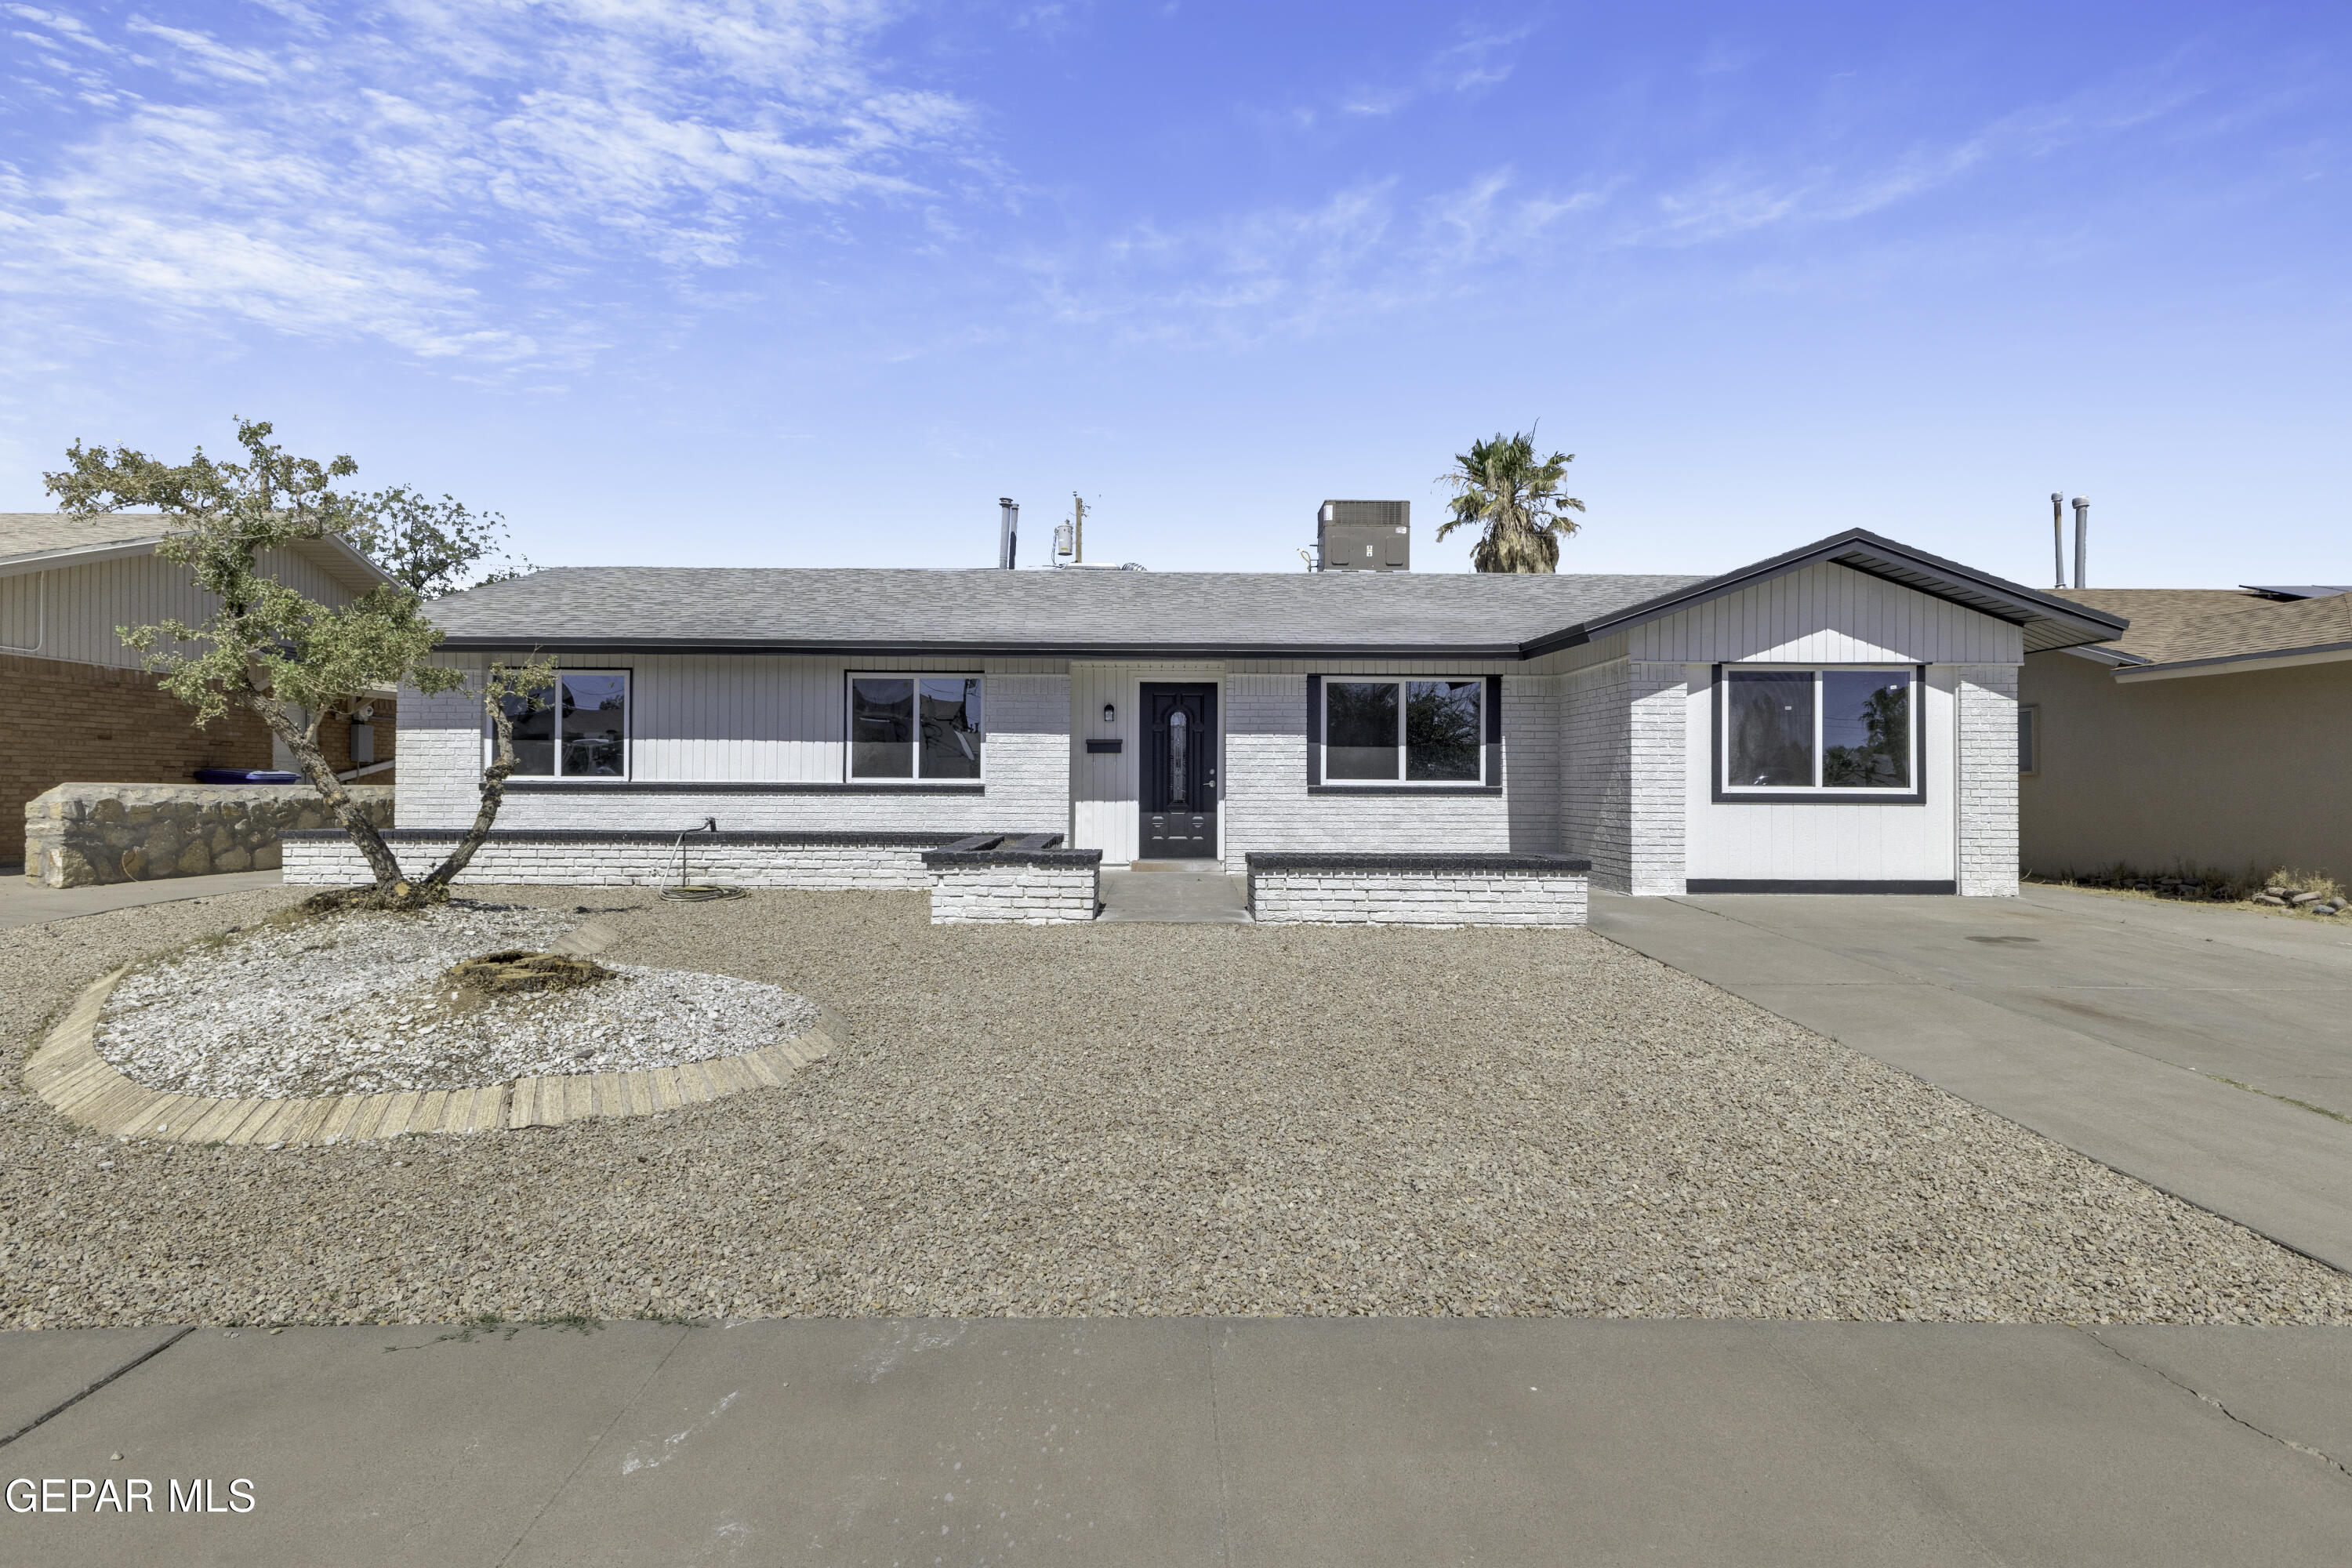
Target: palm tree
x,y
1500,486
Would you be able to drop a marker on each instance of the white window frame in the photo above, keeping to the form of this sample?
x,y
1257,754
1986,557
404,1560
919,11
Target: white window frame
x,y
916,779
1725,790
2029,740
1399,781
628,731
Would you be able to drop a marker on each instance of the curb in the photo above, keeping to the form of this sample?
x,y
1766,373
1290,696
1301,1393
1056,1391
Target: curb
x,y
67,1072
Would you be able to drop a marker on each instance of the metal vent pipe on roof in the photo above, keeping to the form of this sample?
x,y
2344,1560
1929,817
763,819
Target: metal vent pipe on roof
x,y
1008,531
2058,536
2082,542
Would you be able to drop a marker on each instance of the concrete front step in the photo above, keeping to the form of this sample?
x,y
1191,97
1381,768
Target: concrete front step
x,y
1173,892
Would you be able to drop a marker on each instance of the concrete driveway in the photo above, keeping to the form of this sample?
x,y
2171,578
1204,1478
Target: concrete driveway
x,y
1148,1441
2208,1051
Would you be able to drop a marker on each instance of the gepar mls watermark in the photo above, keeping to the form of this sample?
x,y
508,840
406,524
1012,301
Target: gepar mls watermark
x,y
133,1494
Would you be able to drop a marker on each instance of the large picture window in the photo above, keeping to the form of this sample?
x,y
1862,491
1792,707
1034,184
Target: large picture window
x,y
1409,731
579,730
915,727
1819,732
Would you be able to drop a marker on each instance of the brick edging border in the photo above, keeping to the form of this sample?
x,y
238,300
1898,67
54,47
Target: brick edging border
x,y
67,1072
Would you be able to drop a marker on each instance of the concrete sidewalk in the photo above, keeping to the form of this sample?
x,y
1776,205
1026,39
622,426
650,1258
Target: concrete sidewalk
x,y
1176,1441
23,903
2171,1043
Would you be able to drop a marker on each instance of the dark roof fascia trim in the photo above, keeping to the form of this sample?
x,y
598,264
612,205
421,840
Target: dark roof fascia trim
x,y
1171,653
2030,604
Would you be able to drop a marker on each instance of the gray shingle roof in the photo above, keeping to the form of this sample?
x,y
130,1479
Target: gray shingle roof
x,y
1164,613
1167,614
40,532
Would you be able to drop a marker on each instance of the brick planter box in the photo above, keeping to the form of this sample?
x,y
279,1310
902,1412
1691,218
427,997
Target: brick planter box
x,y
621,859
1418,890
1026,880
84,835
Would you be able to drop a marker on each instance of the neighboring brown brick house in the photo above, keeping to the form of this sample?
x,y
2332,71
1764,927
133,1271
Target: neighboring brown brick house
x,y
75,704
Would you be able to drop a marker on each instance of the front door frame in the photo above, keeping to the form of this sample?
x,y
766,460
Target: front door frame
x,y
1179,676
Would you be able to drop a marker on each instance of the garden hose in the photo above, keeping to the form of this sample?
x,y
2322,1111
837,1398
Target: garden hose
x,y
698,893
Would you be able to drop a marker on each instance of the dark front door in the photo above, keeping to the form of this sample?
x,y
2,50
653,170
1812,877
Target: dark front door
x,y
1179,783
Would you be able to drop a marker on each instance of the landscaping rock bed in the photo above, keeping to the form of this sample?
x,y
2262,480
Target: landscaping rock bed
x,y
1135,1119
363,1003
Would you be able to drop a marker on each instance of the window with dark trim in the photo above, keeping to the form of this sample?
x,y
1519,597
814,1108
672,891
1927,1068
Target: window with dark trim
x,y
578,728
1403,733
915,728
2029,738
1822,732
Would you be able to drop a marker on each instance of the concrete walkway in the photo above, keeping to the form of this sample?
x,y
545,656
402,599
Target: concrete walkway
x,y
23,903
1175,1441
2172,1041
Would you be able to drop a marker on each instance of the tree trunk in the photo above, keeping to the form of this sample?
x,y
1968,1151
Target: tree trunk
x,y
494,794
313,764
494,788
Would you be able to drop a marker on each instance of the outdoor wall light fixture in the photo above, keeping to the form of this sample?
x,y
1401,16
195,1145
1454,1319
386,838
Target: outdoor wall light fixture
x,y
1110,714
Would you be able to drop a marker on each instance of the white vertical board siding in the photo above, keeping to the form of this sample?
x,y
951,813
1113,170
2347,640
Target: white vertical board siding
x,y
20,612
1822,841
82,606
746,719
1828,614
1103,800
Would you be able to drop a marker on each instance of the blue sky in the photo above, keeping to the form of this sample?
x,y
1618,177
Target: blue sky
x,y
812,284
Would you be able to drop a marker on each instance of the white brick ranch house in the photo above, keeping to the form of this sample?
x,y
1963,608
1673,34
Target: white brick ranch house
x,y
1842,718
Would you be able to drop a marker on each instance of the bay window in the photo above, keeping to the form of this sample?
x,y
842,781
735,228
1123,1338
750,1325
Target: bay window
x,y
1822,732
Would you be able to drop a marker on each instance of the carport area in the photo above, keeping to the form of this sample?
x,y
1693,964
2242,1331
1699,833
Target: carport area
x,y
2203,1051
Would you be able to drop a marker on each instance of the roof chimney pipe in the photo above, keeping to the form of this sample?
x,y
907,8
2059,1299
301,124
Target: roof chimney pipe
x,y
1008,531
2058,535
2082,541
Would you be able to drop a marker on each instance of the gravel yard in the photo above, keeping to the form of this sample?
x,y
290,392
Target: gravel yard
x,y
355,1004
1136,1119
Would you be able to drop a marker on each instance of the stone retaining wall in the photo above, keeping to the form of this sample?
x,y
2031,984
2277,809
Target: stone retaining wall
x,y
1418,890
1026,880
590,858
83,834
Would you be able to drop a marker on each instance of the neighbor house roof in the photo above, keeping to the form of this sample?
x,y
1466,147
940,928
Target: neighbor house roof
x,y
51,541
1103,613
2211,631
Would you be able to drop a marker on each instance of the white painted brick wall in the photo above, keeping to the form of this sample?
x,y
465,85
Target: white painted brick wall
x,y
1532,724
1622,773
334,862
1266,805
1418,897
1028,784
1030,894
1658,788
1988,781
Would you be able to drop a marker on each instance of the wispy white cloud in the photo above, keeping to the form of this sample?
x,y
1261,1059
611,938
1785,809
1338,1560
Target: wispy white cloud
x,y
1477,58
433,173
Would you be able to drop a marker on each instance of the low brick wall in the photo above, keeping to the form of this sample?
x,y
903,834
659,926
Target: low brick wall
x,y
620,859
1418,890
1027,880
83,834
